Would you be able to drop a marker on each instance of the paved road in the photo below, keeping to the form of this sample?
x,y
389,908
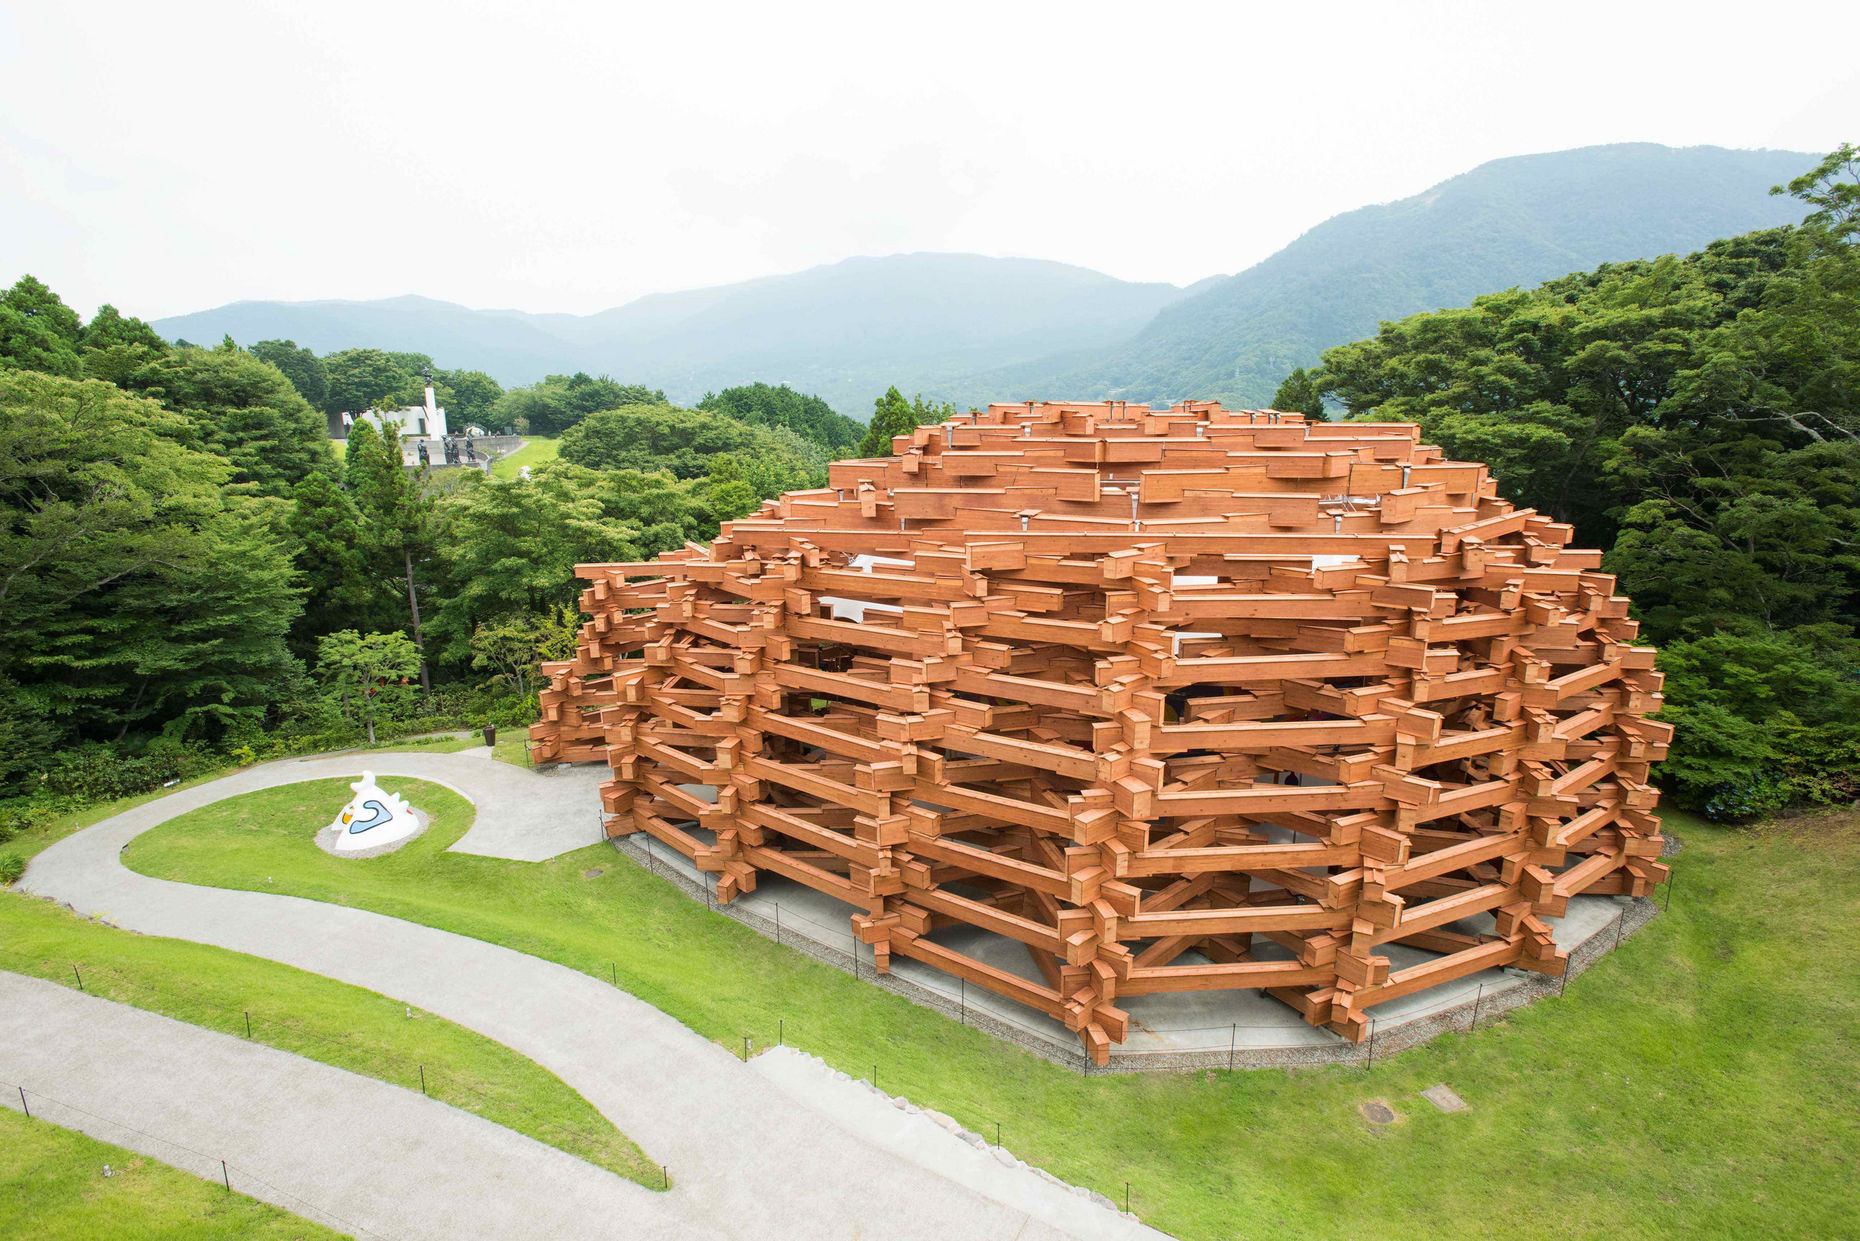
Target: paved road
x,y
752,1157
400,1164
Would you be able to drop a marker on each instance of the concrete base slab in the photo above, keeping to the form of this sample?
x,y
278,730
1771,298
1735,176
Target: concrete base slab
x,y
1442,1097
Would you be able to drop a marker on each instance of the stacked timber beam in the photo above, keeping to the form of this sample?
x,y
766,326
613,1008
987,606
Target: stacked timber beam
x,y
1184,699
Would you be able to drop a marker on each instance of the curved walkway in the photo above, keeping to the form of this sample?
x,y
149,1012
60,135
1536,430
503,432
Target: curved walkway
x,y
413,1168
750,1158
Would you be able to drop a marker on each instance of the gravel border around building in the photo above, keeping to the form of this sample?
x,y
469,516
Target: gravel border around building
x,y
1478,1013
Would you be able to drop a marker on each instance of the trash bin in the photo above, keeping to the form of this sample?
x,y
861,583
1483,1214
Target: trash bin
x,y
490,734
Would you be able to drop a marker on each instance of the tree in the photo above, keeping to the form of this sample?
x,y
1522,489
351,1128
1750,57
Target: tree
x,y
360,379
363,671
509,548
468,397
137,592
396,512
125,351
110,328
304,369
892,415
340,591
514,646
682,441
247,411
783,407
1832,187
1299,394
1699,418
37,331
560,401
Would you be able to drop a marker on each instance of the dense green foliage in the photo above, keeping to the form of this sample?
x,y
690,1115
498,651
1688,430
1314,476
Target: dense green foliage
x,y
687,443
138,591
561,401
189,574
1698,417
1299,393
892,415
1513,221
308,373
360,379
178,539
807,416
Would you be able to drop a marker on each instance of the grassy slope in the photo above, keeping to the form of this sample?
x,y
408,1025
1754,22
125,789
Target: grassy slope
x,y
1700,1081
52,1188
317,1017
536,451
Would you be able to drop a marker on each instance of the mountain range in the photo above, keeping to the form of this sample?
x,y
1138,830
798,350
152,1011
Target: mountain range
x,y
970,328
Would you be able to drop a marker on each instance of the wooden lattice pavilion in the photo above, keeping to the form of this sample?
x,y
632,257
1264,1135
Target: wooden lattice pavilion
x,y
1126,685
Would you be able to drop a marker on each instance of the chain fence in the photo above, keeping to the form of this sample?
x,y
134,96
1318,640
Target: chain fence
x,y
37,1105
169,996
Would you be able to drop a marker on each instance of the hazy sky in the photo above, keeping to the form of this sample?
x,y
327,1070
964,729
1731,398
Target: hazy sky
x,y
170,157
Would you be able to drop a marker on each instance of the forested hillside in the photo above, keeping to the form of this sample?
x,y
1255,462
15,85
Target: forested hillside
x,y
1509,222
846,331
190,575
1698,417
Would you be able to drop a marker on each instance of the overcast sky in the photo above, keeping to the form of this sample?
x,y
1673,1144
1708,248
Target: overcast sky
x,y
171,157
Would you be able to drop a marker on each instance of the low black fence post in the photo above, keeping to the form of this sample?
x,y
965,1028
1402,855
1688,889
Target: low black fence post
x,y
962,1001
22,1103
1233,1038
248,1025
1371,1061
225,1177
781,1031
665,1178
422,1079
1620,926
1672,876
997,1133
78,976
1126,1197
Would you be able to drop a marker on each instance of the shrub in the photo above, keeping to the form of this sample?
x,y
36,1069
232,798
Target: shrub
x,y
12,866
1761,721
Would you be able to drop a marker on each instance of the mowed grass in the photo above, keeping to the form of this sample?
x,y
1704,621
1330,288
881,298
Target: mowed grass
x,y
536,451
52,1188
317,1017
1699,1082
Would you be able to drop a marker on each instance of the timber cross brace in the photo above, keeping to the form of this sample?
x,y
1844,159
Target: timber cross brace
x,y
1131,686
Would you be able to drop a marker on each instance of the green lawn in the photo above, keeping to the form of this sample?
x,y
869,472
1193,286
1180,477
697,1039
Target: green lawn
x,y
537,450
313,1016
52,1188
435,743
513,747
1700,1082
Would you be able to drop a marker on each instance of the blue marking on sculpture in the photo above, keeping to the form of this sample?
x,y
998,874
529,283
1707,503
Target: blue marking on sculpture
x,y
380,817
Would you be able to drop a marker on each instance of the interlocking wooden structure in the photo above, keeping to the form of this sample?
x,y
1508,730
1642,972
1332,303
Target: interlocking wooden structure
x,y
1180,699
